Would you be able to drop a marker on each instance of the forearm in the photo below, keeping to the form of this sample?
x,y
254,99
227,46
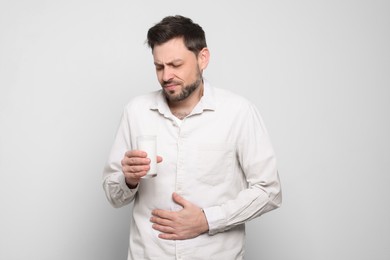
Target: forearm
x,y
249,204
262,195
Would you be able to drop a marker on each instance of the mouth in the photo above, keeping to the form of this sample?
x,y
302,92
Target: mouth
x,y
170,86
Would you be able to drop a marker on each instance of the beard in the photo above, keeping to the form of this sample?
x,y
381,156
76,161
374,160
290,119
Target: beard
x,y
185,92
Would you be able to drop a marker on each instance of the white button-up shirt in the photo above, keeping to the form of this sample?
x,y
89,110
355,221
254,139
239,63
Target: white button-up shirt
x,y
219,158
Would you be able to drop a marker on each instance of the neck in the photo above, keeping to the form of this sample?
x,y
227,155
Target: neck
x,y
183,108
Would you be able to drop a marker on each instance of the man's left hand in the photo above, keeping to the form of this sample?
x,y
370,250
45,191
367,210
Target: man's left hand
x,y
187,223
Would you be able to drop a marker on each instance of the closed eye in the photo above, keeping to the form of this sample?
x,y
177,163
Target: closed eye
x,y
158,68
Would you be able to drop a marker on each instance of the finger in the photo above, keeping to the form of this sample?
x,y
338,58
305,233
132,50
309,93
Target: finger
x,y
163,214
180,200
159,159
135,161
135,153
133,178
136,168
164,229
169,236
161,221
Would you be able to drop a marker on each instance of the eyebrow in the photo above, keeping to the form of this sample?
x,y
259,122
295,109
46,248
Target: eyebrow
x,y
168,63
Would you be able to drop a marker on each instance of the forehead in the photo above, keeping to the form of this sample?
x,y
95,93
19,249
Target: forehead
x,y
171,50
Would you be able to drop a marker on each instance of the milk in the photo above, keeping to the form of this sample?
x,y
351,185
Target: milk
x,y
147,143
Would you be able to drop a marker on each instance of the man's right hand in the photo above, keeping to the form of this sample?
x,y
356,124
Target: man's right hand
x,y
134,166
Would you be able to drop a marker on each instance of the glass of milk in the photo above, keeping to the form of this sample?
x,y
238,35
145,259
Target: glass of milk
x,y
148,144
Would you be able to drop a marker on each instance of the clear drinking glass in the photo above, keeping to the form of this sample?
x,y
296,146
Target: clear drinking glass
x,y
148,144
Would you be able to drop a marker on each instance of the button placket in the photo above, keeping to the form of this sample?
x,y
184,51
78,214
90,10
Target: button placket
x,y
180,163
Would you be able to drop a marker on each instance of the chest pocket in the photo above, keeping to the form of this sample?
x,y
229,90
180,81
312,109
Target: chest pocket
x,y
214,163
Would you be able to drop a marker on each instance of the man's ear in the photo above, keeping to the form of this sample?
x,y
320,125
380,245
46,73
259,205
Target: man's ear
x,y
203,58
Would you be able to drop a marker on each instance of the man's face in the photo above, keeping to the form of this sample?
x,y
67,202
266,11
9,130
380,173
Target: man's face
x,y
178,70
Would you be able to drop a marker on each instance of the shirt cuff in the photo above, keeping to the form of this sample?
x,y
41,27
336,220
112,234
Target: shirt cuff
x,y
216,219
125,188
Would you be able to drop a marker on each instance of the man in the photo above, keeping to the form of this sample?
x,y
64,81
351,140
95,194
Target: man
x,y
216,165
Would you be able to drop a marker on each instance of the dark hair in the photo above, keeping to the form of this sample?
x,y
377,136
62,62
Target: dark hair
x,y
176,27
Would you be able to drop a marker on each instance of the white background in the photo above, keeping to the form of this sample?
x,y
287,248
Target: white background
x,y
319,71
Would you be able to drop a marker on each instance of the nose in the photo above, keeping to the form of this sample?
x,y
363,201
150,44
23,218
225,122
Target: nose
x,y
167,74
